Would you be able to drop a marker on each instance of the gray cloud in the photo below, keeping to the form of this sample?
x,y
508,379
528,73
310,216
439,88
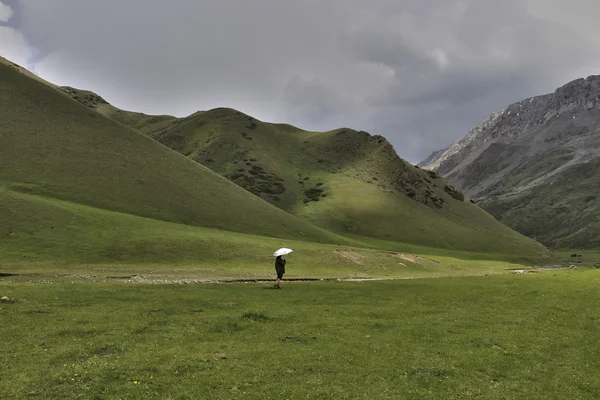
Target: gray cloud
x,y
6,12
420,72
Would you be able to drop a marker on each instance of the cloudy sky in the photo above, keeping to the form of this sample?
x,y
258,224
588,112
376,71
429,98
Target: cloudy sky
x,y
419,72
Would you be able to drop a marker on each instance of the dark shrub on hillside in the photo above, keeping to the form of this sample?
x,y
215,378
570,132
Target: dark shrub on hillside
x,y
313,194
268,188
254,172
433,174
454,193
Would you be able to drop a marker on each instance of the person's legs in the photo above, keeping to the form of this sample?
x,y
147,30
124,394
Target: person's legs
x,y
279,278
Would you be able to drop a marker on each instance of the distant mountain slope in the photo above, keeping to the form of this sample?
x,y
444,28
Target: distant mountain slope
x,y
53,146
535,165
345,181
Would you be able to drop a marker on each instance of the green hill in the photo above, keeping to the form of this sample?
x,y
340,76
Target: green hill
x,y
345,181
64,147
55,147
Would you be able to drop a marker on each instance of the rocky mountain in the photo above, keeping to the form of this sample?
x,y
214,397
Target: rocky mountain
x,y
535,165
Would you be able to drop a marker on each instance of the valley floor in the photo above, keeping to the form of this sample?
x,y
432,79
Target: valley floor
x,y
501,336
253,274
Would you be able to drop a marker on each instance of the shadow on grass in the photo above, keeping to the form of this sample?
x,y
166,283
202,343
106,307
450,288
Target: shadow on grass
x,y
256,317
228,327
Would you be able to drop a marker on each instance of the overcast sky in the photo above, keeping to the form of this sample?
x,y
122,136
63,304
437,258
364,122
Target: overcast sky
x,y
419,72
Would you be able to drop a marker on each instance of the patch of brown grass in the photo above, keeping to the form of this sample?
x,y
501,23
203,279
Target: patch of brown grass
x,y
351,256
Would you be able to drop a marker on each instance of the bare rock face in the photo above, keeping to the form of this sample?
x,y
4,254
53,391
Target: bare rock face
x,y
525,160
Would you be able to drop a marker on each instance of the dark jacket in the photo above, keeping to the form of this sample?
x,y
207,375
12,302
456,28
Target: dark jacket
x,y
280,265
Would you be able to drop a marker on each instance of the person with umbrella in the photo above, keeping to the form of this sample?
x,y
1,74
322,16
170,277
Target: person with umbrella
x,y
280,264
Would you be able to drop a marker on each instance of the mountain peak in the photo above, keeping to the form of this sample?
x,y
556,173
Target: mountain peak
x,y
505,126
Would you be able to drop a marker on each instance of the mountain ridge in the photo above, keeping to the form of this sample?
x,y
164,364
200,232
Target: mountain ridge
x,y
531,150
576,96
154,126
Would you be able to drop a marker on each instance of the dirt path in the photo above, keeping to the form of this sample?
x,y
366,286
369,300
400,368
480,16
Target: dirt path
x,y
162,279
176,279
169,279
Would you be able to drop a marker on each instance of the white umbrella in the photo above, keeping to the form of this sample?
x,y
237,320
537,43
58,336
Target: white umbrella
x,y
282,252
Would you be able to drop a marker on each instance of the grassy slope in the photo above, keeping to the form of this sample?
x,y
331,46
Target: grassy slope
x,y
562,214
48,236
16,67
495,337
345,181
53,146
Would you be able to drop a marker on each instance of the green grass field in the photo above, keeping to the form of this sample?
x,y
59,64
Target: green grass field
x,y
584,256
492,337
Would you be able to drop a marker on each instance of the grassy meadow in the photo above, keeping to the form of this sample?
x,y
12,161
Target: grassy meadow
x,y
528,336
586,255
